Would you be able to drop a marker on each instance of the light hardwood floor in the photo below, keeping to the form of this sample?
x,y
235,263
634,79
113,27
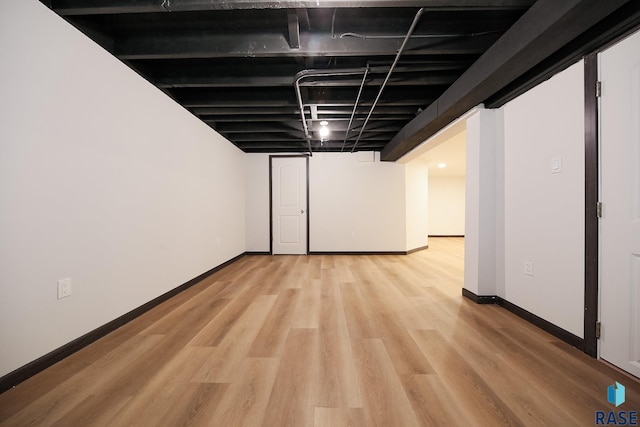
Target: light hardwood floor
x,y
323,341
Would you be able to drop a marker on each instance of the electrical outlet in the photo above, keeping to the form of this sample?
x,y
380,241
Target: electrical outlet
x,y
528,268
64,288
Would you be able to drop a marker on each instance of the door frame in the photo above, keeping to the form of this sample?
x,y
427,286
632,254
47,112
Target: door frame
x,y
271,157
591,199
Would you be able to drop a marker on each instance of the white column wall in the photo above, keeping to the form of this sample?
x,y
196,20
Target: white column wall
x,y
484,137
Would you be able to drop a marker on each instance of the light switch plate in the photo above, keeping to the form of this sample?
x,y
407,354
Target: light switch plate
x,y
556,164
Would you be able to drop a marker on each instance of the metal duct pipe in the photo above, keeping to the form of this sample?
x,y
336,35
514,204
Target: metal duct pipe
x,y
355,107
351,71
421,36
384,83
318,73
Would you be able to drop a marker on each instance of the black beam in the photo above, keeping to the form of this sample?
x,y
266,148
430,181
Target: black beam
x,y
285,97
395,103
91,7
297,135
303,19
272,137
250,69
250,118
215,97
294,29
262,127
387,109
222,111
395,80
273,118
181,81
186,46
278,127
258,148
332,113
274,146
194,100
622,21
545,28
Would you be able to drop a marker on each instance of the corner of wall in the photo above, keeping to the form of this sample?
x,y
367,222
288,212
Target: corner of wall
x,y
484,137
416,204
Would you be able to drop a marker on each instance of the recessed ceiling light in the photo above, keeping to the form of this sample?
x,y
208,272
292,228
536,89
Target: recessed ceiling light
x,y
324,123
442,165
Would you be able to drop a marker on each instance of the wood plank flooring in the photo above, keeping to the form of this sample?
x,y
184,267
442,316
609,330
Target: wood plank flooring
x,y
323,341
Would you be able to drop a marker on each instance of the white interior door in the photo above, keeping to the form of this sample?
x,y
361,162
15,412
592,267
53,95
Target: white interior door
x,y
620,196
289,205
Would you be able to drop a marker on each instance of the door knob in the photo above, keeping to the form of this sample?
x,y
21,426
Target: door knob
x,y
301,211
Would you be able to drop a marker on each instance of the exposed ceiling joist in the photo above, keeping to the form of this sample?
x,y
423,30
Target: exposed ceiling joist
x,y
293,125
294,29
233,63
287,81
186,46
96,7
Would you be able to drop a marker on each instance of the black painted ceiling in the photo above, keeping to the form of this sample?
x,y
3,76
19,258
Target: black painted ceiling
x,y
235,63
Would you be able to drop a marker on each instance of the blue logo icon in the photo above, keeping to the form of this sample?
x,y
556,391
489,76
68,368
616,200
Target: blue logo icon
x,y
615,394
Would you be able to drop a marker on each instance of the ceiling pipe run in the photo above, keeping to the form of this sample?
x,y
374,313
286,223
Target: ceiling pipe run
x,y
355,107
386,80
304,74
345,72
318,73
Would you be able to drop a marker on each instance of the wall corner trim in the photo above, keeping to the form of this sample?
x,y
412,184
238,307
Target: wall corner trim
x,y
359,253
479,299
421,248
545,325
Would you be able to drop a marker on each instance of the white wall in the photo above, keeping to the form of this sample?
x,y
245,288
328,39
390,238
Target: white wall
x,y
346,195
518,210
103,179
446,205
417,198
544,212
356,205
257,202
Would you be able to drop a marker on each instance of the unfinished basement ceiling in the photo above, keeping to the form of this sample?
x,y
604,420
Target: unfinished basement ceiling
x,y
246,67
